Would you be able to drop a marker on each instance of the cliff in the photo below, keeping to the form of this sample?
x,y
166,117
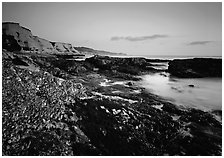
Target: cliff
x,y
18,38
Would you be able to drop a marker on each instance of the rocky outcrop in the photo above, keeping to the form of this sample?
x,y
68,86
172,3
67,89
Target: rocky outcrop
x,y
197,67
133,66
17,38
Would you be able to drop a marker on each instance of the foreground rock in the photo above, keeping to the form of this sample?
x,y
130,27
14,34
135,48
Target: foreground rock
x,y
53,107
197,67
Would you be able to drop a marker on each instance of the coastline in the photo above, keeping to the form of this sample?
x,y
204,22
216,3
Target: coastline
x,y
168,57
98,108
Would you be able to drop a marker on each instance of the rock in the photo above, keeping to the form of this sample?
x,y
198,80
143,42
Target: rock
x,y
130,83
133,66
191,85
9,43
18,61
197,67
164,74
77,69
217,112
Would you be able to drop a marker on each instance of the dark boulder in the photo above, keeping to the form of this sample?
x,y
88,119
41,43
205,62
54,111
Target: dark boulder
x,y
9,43
18,61
197,67
130,83
101,62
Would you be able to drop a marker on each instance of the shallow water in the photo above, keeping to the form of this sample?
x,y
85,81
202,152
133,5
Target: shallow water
x,y
203,93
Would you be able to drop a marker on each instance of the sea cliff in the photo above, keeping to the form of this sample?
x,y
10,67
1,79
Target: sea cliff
x,y
17,38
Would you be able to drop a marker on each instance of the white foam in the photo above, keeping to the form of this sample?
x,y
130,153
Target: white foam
x,y
136,91
115,98
115,112
105,83
119,83
88,97
158,106
102,107
117,92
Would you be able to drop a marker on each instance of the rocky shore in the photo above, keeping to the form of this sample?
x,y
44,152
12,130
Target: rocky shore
x,y
54,106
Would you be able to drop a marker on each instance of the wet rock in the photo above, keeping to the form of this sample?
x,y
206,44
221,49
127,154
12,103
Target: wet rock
x,y
130,83
217,112
9,43
131,66
18,61
197,67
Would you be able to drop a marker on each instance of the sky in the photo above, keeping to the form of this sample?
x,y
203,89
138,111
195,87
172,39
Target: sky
x,y
134,28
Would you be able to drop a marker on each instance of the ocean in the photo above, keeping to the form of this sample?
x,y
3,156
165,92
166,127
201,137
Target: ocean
x,y
205,94
166,57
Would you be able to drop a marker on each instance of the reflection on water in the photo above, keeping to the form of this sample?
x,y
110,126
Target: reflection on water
x,y
202,93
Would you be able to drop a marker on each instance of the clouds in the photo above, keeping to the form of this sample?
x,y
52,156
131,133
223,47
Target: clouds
x,y
199,43
139,38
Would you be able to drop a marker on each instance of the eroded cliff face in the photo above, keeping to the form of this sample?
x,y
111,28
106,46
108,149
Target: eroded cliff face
x,y
63,47
17,38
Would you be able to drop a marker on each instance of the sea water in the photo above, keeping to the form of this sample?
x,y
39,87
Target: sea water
x,y
200,93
